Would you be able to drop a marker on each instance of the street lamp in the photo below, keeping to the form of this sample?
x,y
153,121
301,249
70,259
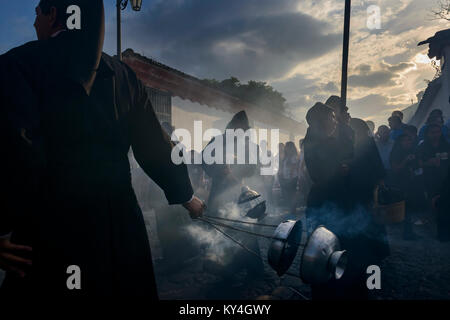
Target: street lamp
x,y
136,5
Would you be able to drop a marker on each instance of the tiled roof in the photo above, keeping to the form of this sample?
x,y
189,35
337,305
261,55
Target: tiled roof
x,y
162,77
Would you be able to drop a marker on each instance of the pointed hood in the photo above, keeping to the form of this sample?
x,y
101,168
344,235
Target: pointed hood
x,y
79,51
88,42
239,121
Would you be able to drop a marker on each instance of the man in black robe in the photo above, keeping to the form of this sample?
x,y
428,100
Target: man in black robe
x,y
227,180
69,117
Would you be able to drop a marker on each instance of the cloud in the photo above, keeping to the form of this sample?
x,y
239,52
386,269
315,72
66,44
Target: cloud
x,y
331,87
386,76
375,79
293,45
252,39
376,107
401,67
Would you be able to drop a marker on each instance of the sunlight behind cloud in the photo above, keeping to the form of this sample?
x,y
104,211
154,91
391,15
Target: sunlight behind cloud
x,y
424,59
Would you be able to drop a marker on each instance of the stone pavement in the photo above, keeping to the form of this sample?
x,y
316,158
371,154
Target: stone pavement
x,y
414,270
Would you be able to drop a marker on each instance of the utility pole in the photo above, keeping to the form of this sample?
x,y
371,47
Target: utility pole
x,y
345,50
119,30
121,5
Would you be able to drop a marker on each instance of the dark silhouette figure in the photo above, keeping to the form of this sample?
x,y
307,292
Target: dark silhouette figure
x,y
70,115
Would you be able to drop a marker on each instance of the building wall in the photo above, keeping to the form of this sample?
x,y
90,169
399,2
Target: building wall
x,y
442,98
162,104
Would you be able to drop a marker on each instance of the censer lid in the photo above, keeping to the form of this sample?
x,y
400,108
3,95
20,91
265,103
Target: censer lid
x,y
247,195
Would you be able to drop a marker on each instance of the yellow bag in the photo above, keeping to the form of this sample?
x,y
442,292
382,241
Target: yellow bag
x,y
390,213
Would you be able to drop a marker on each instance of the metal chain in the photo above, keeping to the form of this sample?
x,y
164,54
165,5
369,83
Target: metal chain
x,y
249,232
242,230
232,239
250,251
243,222
298,292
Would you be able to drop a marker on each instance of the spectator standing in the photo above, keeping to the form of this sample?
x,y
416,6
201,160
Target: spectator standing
x,y
405,173
289,172
396,125
435,118
433,153
384,144
371,126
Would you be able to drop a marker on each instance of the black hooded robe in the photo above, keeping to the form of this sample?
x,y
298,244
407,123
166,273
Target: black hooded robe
x,y
81,208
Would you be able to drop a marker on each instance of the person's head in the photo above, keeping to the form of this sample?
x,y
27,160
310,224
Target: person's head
x,y
322,119
433,134
290,150
435,120
51,17
371,126
395,122
398,113
436,112
383,133
339,108
406,142
411,131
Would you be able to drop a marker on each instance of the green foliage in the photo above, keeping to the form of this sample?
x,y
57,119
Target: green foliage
x,y
255,92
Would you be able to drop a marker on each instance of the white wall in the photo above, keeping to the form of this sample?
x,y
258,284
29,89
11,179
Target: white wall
x,y
442,98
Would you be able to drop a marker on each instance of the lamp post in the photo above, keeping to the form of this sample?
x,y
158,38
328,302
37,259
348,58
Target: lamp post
x,y
121,5
348,4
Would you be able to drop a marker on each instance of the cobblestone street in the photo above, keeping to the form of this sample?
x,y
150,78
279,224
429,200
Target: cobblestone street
x,y
415,270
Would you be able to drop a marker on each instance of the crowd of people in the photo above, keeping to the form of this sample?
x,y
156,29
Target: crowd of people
x,y
336,170
416,162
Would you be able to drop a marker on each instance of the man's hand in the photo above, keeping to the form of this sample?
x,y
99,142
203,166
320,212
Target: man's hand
x,y
11,257
195,207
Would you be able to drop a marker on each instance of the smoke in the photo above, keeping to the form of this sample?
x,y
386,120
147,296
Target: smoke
x,y
217,247
343,224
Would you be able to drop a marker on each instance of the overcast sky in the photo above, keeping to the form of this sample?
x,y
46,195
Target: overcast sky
x,y
294,45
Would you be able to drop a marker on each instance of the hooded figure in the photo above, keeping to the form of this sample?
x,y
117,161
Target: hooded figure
x,y
324,160
331,202
239,121
344,132
226,175
367,169
227,180
71,115
369,242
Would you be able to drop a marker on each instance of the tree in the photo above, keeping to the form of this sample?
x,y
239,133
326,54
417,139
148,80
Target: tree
x,y
442,11
255,92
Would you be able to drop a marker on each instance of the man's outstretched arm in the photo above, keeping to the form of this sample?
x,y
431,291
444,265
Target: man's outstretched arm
x,y
152,149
